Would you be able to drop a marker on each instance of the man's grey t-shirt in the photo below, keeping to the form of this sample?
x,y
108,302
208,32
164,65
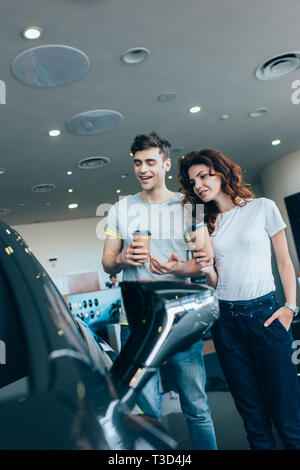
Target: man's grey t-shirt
x,y
164,220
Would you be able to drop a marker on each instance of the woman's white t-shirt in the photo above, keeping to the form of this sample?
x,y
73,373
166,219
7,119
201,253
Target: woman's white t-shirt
x,y
242,248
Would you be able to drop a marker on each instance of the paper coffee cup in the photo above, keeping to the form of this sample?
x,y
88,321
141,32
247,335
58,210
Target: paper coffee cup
x,y
143,236
198,239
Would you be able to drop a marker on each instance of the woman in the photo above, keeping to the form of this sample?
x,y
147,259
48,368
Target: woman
x,y
252,337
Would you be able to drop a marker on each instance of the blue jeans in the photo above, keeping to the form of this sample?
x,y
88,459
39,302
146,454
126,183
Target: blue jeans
x,y
257,363
188,371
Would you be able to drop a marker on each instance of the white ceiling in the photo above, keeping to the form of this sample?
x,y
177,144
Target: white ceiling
x,y
205,51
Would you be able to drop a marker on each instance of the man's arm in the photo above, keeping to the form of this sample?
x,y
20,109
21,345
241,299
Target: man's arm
x,y
111,250
174,266
190,268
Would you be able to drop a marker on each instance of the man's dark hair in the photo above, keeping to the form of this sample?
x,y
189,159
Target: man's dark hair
x,y
152,140
112,275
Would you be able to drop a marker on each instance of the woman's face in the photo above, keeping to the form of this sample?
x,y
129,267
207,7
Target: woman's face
x,y
205,186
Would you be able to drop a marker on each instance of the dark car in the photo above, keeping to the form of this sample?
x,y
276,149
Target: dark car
x,y
58,386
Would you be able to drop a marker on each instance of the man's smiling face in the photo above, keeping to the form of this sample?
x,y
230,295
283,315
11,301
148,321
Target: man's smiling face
x,y
150,168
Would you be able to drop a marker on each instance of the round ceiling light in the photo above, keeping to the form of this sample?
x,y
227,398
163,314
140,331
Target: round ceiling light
x,y
276,142
135,55
73,206
32,32
278,66
2,171
43,188
195,109
94,122
54,132
168,96
50,66
92,163
258,112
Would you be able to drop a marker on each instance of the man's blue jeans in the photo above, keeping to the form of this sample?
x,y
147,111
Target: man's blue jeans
x,y
257,363
188,372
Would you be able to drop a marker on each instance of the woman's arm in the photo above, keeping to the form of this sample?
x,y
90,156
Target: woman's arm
x,y
285,266
288,279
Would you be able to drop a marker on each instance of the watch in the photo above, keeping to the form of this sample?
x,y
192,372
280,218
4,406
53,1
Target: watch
x,y
293,308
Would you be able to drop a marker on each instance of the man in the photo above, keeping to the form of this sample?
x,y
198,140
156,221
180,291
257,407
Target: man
x,y
159,210
113,281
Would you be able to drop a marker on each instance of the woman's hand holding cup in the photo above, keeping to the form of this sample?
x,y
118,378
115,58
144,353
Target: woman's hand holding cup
x,y
204,263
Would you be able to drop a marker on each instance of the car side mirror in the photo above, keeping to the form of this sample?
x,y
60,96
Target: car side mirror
x,y
165,317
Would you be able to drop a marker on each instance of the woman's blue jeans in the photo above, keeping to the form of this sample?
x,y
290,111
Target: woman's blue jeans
x,y
257,363
188,371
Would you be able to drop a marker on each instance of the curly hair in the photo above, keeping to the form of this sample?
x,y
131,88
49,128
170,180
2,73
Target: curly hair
x,y
231,181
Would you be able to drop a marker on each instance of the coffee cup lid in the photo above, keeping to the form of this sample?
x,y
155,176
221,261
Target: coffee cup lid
x,y
141,232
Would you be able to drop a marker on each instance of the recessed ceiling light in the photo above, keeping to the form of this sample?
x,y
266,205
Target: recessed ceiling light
x,y
125,175
54,132
73,206
131,154
276,142
70,190
170,177
2,171
195,109
32,32
224,117
69,172
135,55
118,190
258,112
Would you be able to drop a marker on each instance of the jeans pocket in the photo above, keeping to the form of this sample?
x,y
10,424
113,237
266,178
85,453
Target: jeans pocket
x,y
281,325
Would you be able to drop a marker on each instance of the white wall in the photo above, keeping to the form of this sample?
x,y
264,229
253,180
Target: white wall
x,y
281,178
74,243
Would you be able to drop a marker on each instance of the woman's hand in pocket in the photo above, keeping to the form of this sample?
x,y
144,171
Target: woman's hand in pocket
x,y
284,315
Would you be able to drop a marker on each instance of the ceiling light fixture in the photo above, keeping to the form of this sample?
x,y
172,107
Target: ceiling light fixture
x,y
258,112
276,142
70,190
224,117
54,132
195,109
2,171
73,206
118,190
125,175
92,163
69,173
168,96
170,177
278,66
135,55
32,32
